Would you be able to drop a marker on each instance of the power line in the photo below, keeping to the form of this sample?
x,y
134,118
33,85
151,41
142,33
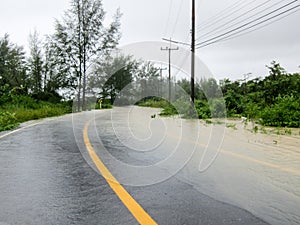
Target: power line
x,y
185,55
234,35
176,42
235,18
248,23
177,17
169,15
225,16
225,11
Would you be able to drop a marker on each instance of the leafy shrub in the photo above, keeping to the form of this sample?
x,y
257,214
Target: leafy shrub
x,y
285,112
7,121
153,102
22,101
252,110
203,109
169,110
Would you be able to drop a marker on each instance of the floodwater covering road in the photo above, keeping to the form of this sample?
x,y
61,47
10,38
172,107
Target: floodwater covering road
x,y
178,171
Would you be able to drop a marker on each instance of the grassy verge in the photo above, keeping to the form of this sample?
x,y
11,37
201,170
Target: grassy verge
x,y
24,108
7,121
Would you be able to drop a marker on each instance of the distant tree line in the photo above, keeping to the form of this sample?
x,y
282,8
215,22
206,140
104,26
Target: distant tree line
x,y
273,100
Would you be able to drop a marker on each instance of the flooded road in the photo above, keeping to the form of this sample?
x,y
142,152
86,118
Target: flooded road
x,y
249,171
179,171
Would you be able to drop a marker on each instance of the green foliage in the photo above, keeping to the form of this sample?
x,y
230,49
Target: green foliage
x,y
274,99
203,109
210,88
186,86
35,64
12,64
44,110
7,121
153,103
285,112
80,38
169,110
251,110
218,108
112,75
16,109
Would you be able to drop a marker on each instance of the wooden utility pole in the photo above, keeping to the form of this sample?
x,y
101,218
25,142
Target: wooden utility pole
x,y
170,49
161,69
193,53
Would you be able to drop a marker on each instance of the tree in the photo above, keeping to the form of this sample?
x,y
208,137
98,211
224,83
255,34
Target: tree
x,y
35,63
210,88
111,75
185,84
81,37
273,83
57,72
12,65
147,77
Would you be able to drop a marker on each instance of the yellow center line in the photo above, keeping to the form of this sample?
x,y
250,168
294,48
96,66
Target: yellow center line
x,y
134,207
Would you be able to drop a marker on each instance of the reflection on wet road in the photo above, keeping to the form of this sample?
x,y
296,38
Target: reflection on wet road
x,y
167,165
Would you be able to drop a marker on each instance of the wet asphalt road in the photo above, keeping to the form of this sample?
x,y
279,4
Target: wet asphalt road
x,y
45,178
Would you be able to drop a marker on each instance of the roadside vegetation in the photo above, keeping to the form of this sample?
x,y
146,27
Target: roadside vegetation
x,y
270,101
41,82
77,63
17,108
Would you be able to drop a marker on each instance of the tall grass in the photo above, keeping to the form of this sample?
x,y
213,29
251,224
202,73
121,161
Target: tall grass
x,y
25,108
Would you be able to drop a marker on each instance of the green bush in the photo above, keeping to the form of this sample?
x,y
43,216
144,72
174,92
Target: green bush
x,y
252,110
21,101
153,103
20,108
169,110
7,121
202,109
284,113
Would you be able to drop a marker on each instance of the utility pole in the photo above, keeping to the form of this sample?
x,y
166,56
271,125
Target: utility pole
x,y
193,32
161,69
193,53
169,49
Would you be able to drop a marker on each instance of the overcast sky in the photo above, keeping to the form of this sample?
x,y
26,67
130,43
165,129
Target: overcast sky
x,y
151,20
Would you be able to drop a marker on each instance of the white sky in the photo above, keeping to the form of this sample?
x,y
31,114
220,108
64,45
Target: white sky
x,y
151,20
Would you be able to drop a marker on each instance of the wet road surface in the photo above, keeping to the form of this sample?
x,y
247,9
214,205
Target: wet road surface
x,y
47,177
